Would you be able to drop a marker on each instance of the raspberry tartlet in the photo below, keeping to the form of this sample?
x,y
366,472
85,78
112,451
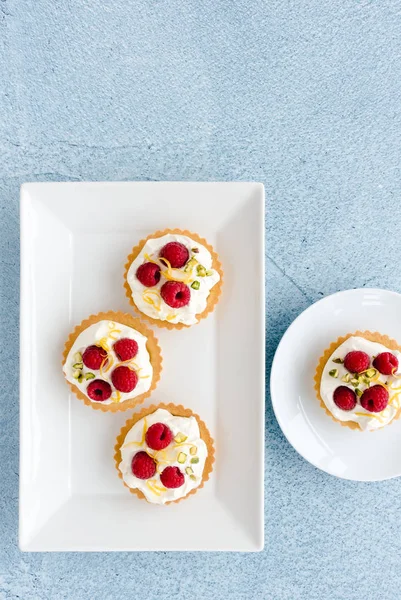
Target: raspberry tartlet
x,y
173,278
164,453
358,380
112,361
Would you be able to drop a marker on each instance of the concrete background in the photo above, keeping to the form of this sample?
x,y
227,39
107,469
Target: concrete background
x,y
301,95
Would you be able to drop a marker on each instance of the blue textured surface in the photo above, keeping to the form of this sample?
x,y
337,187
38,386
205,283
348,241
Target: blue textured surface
x,y
303,96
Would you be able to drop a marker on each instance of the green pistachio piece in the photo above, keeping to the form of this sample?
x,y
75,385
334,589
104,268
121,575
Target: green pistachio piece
x,y
355,382
358,392
195,250
190,265
338,361
80,378
333,373
201,271
346,378
208,273
192,477
371,373
180,438
78,365
181,458
193,450
89,376
189,471
195,285
76,374
194,460
78,357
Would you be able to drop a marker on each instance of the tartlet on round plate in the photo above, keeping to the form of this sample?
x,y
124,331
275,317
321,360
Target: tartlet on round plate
x,y
357,380
112,361
173,278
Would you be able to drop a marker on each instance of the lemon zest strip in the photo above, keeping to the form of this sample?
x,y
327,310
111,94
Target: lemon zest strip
x,y
358,414
149,259
147,296
110,362
172,274
151,488
117,399
145,426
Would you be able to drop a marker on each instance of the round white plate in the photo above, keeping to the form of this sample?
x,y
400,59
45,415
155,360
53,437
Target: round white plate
x,y
340,451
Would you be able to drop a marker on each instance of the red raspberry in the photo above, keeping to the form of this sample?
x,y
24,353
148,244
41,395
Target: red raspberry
x,y
126,349
124,379
386,363
175,294
356,361
176,254
375,399
172,477
93,357
344,398
148,274
158,436
99,390
143,466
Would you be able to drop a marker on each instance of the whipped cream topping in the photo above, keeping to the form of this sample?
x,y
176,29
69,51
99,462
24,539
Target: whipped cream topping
x,y
149,301
106,333
189,450
366,420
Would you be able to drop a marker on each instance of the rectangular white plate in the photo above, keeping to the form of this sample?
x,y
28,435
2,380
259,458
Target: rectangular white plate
x,y
75,238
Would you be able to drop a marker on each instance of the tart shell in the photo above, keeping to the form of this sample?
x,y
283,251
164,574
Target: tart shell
x,y
214,294
152,346
177,411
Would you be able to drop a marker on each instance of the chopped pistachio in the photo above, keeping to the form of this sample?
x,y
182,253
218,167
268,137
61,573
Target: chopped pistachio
x,y
333,373
181,458
195,250
78,357
355,382
76,374
195,285
370,373
208,273
90,376
193,450
192,477
190,264
180,438
80,378
201,271
358,392
189,470
78,365
365,380
346,378
338,361
194,460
